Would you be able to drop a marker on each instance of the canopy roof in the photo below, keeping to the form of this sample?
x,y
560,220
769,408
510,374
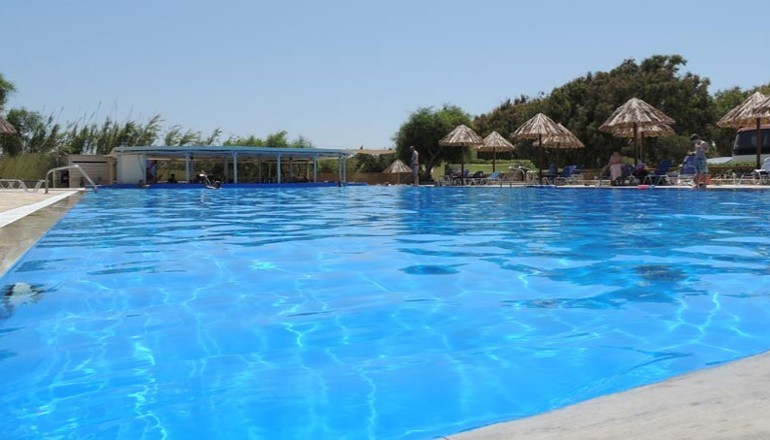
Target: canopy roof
x,y
565,139
635,112
6,127
167,152
371,152
537,126
461,136
397,167
494,142
754,109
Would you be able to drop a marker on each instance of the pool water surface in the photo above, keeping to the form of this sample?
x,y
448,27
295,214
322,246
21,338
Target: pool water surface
x,y
370,312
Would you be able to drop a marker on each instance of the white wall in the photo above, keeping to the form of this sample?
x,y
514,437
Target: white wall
x,y
131,168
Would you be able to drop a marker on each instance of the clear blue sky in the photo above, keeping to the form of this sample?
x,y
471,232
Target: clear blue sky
x,y
346,74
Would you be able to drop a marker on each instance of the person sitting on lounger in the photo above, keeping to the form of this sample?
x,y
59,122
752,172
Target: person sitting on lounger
x,y
640,171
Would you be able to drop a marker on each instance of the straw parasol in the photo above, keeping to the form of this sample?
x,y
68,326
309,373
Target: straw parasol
x,y
538,127
397,167
6,127
493,142
632,116
753,110
461,136
564,140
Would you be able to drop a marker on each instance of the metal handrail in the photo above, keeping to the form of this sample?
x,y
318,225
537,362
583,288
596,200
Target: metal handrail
x,y
66,167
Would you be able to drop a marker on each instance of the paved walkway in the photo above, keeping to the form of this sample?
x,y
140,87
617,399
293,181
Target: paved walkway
x,y
25,217
727,402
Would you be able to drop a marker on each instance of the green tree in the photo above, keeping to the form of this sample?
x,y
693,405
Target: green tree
x,y
424,129
6,88
35,134
583,104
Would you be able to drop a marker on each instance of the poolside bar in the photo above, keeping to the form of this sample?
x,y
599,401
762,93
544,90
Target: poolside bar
x,y
138,164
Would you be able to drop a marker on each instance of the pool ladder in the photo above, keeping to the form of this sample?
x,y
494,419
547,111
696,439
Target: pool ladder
x,y
67,167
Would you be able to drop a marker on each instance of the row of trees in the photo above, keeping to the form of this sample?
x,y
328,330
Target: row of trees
x,y
582,105
42,134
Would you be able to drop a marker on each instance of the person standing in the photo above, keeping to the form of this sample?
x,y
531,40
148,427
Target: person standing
x,y
616,168
701,166
415,166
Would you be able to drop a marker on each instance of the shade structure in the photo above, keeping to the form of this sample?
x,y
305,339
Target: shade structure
x,y
538,127
397,167
495,142
644,131
461,136
6,127
753,110
764,106
633,115
565,140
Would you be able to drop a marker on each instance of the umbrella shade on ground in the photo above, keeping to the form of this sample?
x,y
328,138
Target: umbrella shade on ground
x,y
647,131
6,127
538,127
397,167
495,142
633,115
753,111
462,136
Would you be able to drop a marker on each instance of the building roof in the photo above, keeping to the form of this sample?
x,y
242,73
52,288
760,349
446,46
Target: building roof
x,y
219,151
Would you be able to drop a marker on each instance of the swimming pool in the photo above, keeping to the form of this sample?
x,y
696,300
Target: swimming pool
x,y
371,312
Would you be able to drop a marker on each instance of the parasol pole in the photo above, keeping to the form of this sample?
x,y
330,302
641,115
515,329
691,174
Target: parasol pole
x,y
636,142
759,144
540,162
494,156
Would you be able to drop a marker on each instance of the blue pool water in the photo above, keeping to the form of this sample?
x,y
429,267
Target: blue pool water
x,y
370,312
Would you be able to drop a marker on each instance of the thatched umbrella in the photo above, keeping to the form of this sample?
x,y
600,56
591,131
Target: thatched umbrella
x,y
564,140
493,142
461,136
538,127
6,127
645,131
633,115
753,109
397,167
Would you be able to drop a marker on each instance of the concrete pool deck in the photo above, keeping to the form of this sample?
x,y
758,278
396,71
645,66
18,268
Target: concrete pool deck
x,y
730,401
25,217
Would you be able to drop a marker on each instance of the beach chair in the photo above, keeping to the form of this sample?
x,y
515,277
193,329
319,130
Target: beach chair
x,y
660,175
550,175
492,179
474,179
457,179
686,171
564,176
577,175
762,175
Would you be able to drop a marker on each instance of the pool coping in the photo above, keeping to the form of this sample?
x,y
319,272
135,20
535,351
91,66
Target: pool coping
x,y
723,402
15,214
25,217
